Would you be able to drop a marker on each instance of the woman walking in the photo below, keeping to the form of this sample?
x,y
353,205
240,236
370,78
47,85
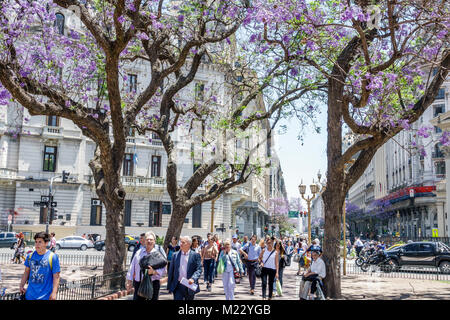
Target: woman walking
x,y
195,245
209,255
269,259
281,261
230,258
171,249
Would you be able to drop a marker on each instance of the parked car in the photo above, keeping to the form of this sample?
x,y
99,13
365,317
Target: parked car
x,y
74,242
7,239
422,254
132,243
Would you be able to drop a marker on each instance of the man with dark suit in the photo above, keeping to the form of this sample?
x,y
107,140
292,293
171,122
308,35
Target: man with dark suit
x,y
187,264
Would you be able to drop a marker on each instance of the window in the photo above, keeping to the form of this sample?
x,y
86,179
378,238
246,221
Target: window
x,y
440,167
437,130
441,94
132,83
128,165
439,108
127,218
156,166
166,208
59,23
49,159
411,248
199,91
96,212
53,121
197,216
426,247
2,236
154,219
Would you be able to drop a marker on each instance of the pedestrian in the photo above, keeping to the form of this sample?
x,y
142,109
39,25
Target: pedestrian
x,y
83,235
236,245
244,263
52,242
42,271
171,249
268,259
208,258
186,265
279,247
135,274
195,246
219,248
139,245
251,253
19,248
233,265
349,246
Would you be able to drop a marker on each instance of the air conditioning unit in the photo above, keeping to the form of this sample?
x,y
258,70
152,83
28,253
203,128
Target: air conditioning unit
x,y
96,203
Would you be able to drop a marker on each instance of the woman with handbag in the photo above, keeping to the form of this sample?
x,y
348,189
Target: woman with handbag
x,y
231,265
269,259
281,262
136,275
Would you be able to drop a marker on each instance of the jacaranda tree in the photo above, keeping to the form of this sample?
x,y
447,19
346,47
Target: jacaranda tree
x,y
382,64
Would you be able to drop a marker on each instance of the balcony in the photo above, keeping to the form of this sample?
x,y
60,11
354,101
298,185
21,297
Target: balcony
x,y
141,182
52,132
8,173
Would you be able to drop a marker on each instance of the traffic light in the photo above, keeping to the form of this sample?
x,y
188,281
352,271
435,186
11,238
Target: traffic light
x,y
65,175
53,214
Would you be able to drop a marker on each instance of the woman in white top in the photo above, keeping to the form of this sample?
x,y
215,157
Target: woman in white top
x,y
316,271
269,261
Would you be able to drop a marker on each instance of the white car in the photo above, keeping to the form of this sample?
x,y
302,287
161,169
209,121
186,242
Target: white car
x,y
74,242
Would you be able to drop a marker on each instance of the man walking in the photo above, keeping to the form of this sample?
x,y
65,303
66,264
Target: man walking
x,y
139,245
186,266
251,253
42,270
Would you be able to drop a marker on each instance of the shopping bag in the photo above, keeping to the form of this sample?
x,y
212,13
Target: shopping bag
x,y
279,290
220,267
146,286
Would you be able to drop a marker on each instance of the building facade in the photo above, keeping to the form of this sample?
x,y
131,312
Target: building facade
x,y
35,149
400,192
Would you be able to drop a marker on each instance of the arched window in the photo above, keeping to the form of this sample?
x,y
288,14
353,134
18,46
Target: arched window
x,y
59,23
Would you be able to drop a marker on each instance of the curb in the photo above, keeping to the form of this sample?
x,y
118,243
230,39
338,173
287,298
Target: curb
x,y
117,295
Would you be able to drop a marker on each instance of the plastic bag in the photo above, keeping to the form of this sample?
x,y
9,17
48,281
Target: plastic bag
x,y
220,267
146,287
279,290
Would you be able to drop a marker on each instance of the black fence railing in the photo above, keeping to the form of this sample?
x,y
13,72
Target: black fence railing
x,y
393,240
68,259
87,289
419,273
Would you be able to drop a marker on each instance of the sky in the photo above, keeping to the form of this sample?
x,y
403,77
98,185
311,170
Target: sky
x,y
302,161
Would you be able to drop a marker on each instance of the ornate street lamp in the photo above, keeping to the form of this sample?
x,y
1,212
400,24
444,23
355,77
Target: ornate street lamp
x,y
315,188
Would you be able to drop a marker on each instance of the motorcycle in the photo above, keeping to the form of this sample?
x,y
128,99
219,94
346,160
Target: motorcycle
x,y
364,256
379,259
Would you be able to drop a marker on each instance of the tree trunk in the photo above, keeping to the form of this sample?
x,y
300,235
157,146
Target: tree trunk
x,y
176,224
333,203
114,244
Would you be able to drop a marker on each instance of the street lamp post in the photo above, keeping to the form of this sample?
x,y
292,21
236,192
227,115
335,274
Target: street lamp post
x,y
314,189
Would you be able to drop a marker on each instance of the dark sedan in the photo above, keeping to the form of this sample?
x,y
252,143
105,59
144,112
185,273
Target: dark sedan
x,y
7,239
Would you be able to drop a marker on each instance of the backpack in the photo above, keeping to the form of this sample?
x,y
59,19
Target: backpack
x,y
50,259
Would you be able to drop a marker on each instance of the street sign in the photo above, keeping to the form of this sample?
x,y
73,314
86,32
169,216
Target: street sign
x,y
435,233
293,214
54,204
41,204
411,193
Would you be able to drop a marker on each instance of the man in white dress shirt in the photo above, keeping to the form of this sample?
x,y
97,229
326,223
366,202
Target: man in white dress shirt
x,y
316,271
